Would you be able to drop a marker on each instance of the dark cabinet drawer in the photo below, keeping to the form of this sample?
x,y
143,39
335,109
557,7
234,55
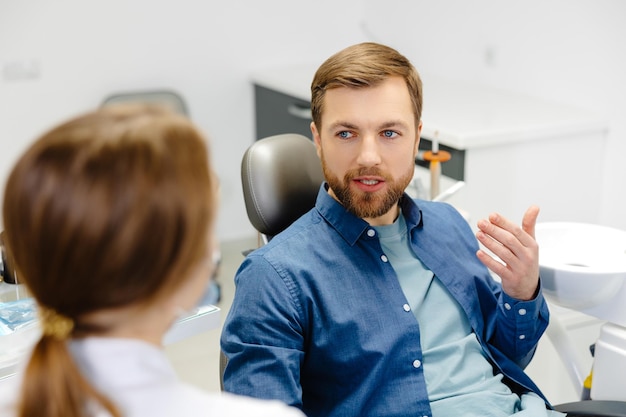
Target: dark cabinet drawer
x,y
277,113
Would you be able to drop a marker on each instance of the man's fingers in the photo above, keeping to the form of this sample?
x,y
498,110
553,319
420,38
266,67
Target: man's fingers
x,y
530,220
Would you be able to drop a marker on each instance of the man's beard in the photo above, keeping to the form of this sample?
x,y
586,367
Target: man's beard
x,y
367,204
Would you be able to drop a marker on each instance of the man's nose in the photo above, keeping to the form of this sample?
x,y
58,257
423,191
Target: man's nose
x,y
369,152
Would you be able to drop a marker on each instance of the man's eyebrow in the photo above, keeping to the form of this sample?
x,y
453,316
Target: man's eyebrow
x,y
342,125
386,125
394,123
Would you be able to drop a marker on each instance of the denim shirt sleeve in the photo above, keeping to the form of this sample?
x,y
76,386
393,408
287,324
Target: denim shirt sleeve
x,y
263,338
508,329
519,325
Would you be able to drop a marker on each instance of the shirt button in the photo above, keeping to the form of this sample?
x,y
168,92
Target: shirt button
x,y
384,258
522,311
507,306
417,363
522,337
371,232
406,308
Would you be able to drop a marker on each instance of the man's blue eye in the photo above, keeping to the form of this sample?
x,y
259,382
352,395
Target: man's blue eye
x,y
345,134
389,134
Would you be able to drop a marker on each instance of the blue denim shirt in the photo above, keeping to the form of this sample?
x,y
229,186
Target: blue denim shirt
x,y
319,319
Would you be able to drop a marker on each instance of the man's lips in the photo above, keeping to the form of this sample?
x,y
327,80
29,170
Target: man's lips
x,y
369,180
368,183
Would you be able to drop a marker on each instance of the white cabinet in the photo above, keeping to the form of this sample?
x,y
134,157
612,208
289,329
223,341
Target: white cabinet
x,y
519,151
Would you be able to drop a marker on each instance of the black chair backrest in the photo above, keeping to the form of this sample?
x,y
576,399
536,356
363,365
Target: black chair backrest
x,y
281,176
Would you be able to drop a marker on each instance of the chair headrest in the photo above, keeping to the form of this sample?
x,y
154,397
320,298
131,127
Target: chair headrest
x,y
170,99
281,176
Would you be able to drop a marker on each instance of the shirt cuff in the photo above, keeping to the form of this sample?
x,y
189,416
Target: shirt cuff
x,y
520,311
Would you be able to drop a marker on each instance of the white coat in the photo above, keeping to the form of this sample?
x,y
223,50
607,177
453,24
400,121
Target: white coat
x,y
140,380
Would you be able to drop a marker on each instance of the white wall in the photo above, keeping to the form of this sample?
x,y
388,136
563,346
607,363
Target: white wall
x,y
205,50
569,51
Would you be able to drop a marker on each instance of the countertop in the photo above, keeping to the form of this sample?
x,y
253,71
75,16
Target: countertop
x,y
14,345
465,115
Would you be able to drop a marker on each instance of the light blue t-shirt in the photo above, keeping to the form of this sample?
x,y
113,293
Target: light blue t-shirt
x,y
459,379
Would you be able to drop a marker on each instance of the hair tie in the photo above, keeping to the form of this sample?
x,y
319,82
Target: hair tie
x,y
54,324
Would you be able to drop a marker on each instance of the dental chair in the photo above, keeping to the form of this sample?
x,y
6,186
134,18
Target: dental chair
x,y
281,176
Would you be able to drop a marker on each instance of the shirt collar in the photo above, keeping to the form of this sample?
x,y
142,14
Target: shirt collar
x,y
351,227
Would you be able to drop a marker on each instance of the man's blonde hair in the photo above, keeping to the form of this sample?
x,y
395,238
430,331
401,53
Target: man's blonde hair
x,y
364,65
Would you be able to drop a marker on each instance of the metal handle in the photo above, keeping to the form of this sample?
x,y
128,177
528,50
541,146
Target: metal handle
x,y
299,112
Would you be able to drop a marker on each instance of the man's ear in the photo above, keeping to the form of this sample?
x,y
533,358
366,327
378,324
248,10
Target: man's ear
x,y
418,136
317,140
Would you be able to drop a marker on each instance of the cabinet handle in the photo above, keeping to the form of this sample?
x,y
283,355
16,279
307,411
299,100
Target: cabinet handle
x,y
299,112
